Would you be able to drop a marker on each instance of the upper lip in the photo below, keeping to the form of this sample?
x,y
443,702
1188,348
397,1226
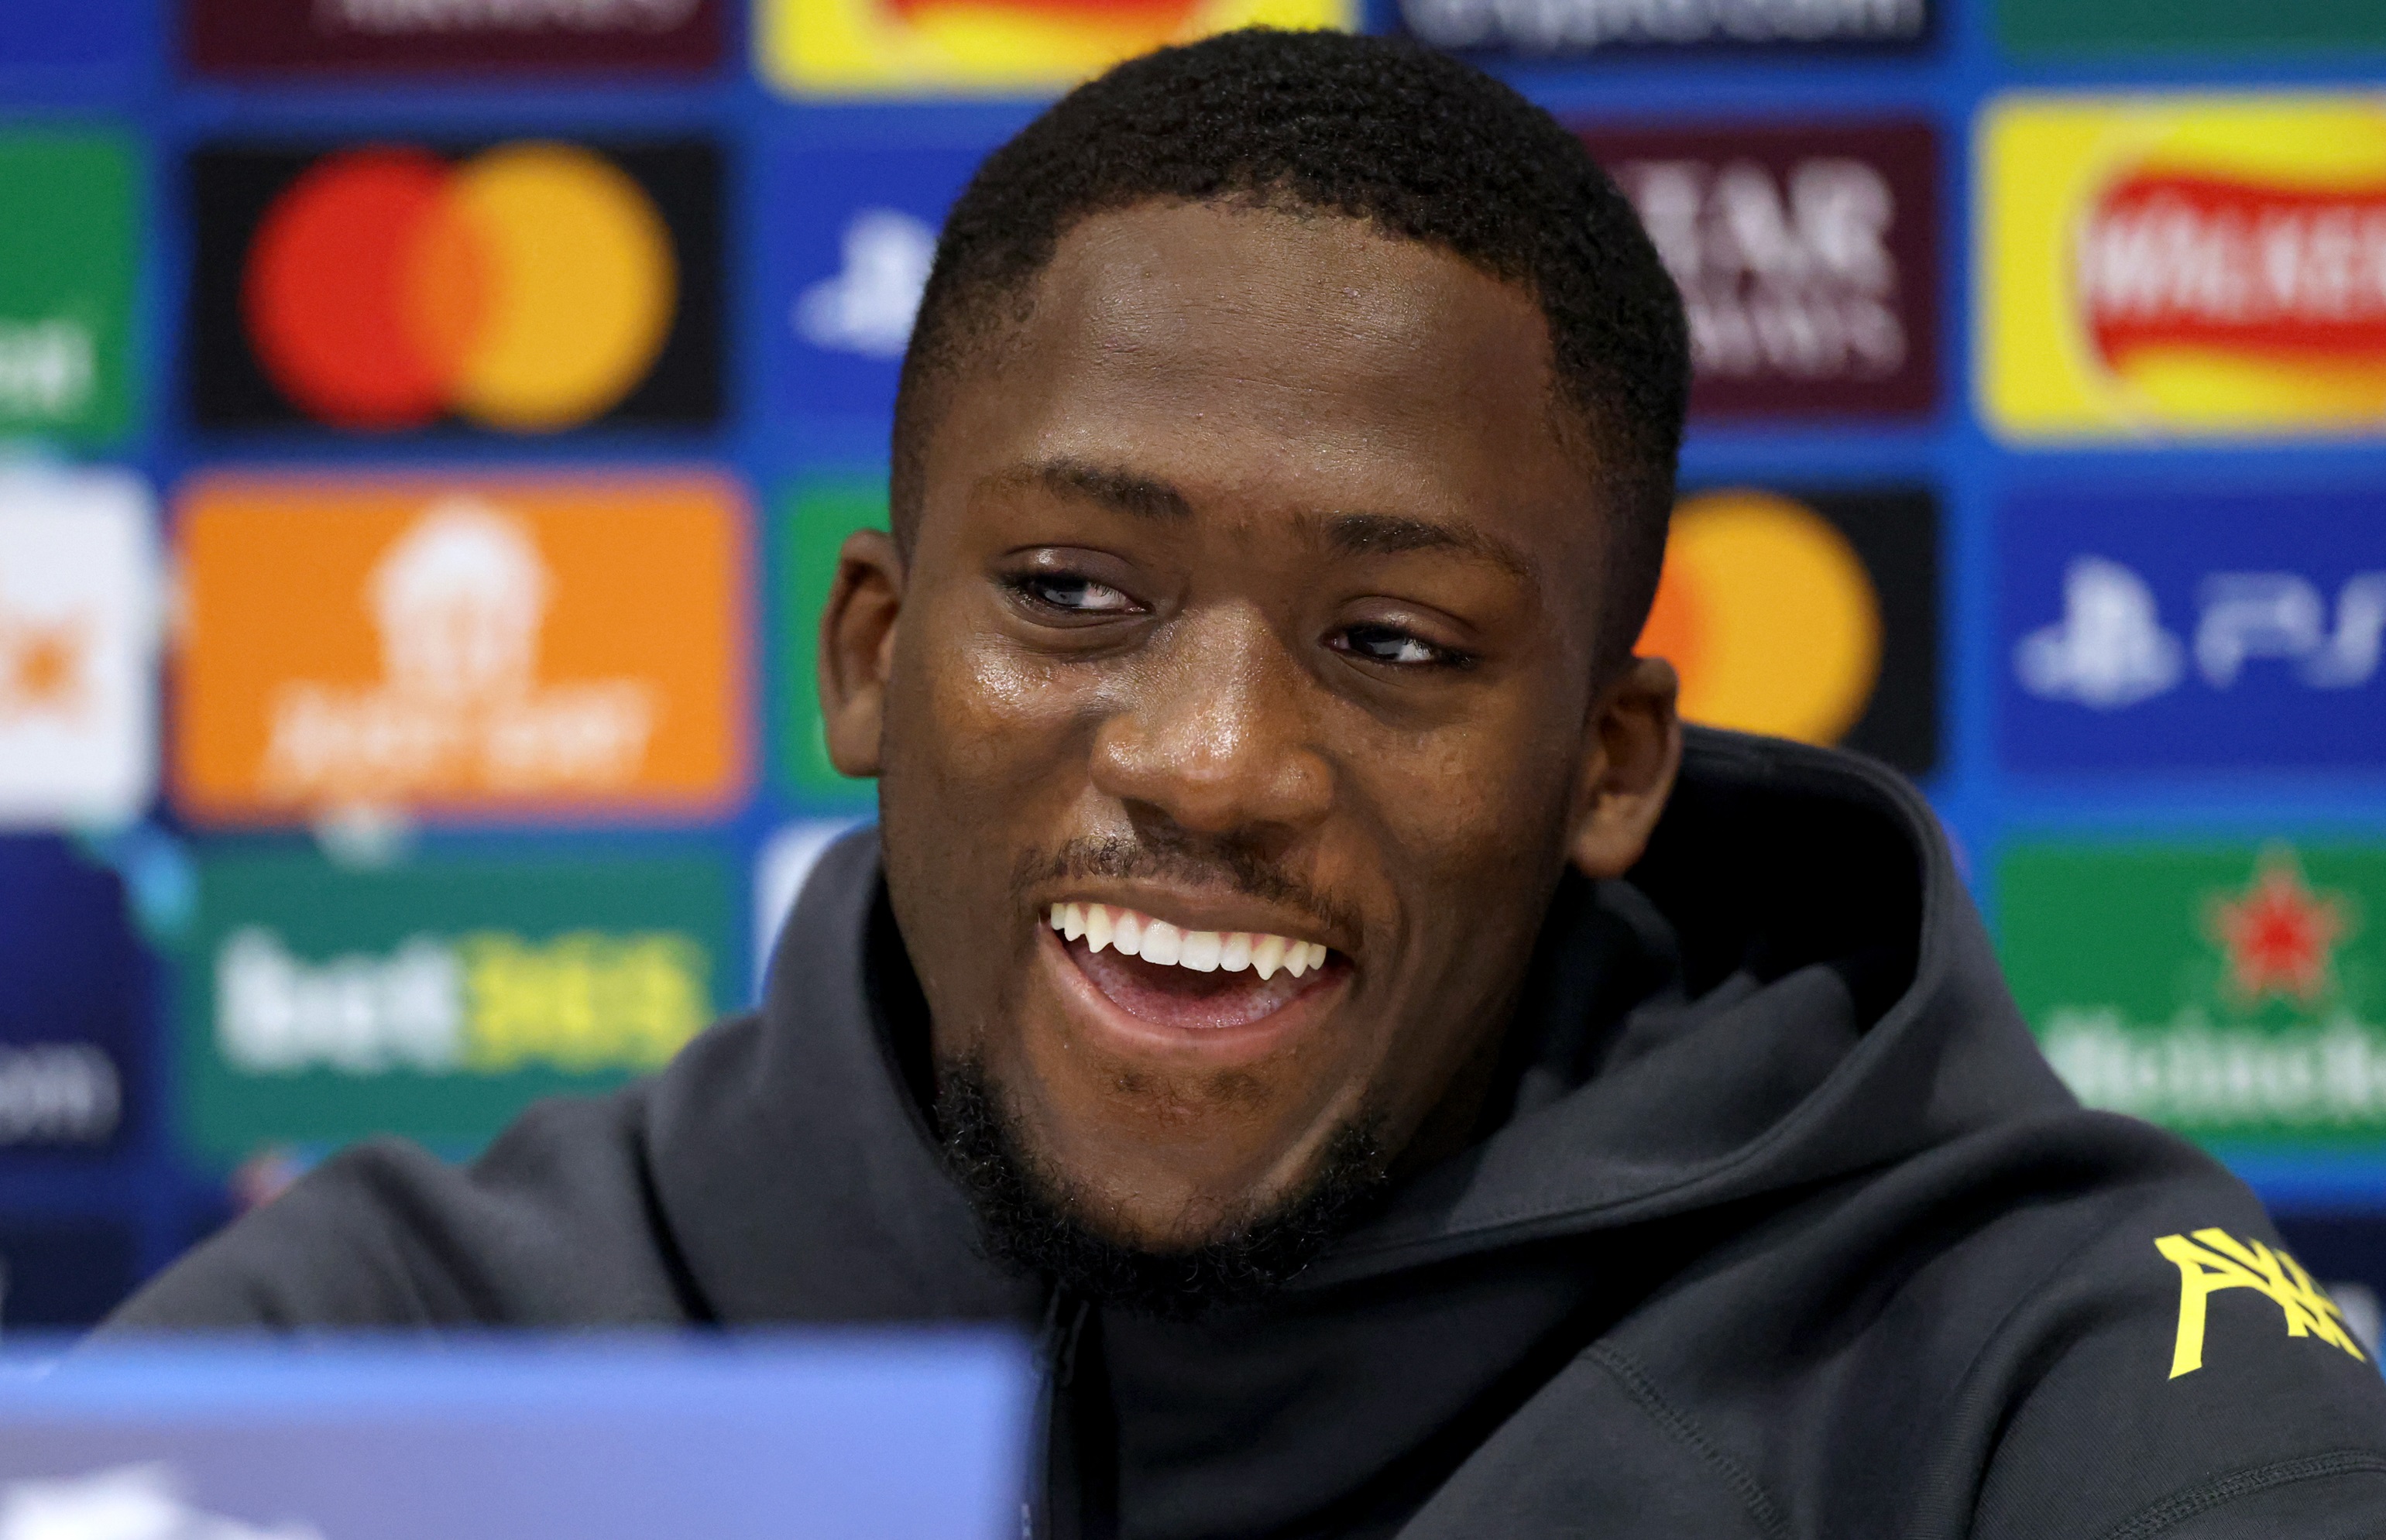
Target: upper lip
x,y
1196,909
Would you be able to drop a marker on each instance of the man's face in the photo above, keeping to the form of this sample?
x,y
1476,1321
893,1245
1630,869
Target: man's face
x,y
1248,627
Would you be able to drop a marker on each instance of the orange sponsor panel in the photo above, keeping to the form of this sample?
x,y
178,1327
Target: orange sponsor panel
x,y
551,646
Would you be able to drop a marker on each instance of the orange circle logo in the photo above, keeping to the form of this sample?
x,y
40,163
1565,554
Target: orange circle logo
x,y
1768,615
528,287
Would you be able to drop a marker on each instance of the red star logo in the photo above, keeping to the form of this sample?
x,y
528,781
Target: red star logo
x,y
2279,936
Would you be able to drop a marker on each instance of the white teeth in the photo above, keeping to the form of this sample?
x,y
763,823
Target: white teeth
x,y
1102,926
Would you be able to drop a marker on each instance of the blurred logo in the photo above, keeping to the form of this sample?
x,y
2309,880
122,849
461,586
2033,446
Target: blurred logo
x,y
892,47
242,37
1582,26
2194,631
432,998
74,1000
851,229
2194,265
482,1004
1812,618
868,306
474,646
69,231
57,1094
2277,936
1808,257
131,1502
79,603
531,288
2232,993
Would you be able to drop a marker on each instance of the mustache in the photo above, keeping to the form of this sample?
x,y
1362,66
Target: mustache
x,y
1216,864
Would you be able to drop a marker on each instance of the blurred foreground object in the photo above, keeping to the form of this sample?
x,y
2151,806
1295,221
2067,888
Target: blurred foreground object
x,y
879,1434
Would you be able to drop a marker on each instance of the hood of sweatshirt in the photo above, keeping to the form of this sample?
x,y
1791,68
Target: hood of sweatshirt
x,y
1791,994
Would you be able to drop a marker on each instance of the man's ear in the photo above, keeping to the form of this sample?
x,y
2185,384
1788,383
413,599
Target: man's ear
x,y
857,648
1631,754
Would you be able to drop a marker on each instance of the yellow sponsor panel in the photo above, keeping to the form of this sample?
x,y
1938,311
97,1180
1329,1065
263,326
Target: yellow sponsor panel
x,y
991,47
2182,266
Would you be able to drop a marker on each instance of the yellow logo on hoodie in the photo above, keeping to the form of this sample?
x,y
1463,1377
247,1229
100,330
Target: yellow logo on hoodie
x,y
2221,1261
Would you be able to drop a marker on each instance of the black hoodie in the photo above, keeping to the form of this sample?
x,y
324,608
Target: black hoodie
x,y
1786,1230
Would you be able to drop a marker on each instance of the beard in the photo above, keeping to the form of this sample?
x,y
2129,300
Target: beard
x,y
1031,1217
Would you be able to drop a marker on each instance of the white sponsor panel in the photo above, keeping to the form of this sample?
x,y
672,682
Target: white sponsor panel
x,y
79,624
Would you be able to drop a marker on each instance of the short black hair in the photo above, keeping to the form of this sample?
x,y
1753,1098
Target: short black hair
x,y
1376,129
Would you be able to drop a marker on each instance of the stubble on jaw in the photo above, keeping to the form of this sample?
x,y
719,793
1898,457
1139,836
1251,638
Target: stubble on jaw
x,y
1032,1219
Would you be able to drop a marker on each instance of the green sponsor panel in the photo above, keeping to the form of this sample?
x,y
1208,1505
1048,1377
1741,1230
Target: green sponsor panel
x,y
814,519
2122,26
2231,992
436,998
68,234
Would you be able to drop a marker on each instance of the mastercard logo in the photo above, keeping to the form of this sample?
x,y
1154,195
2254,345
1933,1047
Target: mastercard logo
x,y
528,287
844,47
1769,615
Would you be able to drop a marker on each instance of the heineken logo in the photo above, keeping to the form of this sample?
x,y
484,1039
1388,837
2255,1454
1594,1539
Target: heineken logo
x,y
2278,937
2232,995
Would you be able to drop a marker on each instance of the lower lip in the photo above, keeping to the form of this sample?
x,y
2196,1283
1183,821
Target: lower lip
x,y
1244,1042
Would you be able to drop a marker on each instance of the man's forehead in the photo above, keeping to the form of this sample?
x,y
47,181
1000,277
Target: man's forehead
x,y
1307,294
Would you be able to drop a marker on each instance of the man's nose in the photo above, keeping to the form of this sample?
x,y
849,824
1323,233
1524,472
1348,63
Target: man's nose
x,y
1216,734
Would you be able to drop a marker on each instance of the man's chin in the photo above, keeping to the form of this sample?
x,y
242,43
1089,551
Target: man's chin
x,y
1029,1220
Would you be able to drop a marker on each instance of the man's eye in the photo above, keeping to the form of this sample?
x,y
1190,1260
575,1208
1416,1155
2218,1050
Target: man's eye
x,y
1384,645
1077,596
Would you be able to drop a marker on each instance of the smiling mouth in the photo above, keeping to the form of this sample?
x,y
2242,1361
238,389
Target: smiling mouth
x,y
1193,980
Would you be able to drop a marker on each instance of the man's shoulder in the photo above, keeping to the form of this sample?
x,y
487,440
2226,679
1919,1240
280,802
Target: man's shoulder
x,y
2062,1327
554,1224
2176,1369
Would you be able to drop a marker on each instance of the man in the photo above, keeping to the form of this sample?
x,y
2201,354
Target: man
x,y
1305,973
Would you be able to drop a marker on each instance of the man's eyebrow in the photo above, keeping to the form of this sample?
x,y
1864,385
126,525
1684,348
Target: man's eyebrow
x,y
1123,491
1362,533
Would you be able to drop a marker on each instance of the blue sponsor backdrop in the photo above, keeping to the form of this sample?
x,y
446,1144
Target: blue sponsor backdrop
x,y
851,228
824,207
2185,630
75,998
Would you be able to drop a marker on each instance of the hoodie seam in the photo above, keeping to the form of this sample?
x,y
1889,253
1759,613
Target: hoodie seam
x,y
1762,1511
2180,1507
